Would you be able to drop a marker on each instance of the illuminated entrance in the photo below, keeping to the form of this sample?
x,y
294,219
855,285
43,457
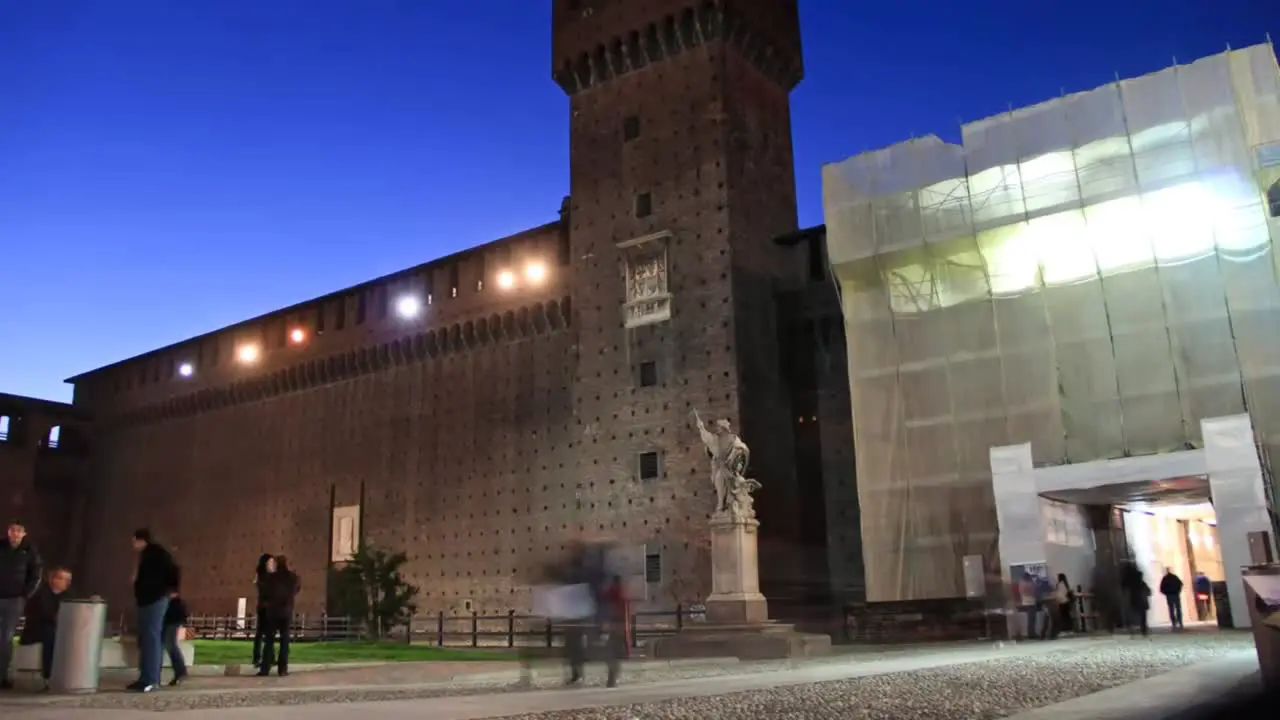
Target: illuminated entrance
x,y
1226,473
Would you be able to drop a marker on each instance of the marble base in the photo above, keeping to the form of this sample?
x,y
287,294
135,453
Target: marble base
x,y
751,641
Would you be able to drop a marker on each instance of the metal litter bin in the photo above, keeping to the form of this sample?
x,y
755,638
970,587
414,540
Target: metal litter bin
x,y
78,648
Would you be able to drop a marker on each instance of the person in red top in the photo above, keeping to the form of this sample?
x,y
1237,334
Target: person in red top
x,y
617,625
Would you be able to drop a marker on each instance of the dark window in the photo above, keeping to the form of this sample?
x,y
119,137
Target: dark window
x,y
340,317
361,307
381,301
648,374
644,205
630,128
320,319
650,466
653,567
453,280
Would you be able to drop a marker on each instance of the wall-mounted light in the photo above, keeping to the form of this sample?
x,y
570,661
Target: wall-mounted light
x,y
408,307
186,369
506,279
297,336
248,353
535,272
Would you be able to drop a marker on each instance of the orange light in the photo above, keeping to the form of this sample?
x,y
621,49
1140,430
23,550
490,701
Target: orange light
x,y
248,353
297,335
506,279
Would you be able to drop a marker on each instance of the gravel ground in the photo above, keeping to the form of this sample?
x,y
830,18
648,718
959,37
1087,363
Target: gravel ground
x,y
988,689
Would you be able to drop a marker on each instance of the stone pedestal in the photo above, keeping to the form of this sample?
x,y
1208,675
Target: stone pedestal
x,y
738,623
735,573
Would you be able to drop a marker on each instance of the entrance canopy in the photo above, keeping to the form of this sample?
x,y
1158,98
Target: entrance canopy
x,y
1192,490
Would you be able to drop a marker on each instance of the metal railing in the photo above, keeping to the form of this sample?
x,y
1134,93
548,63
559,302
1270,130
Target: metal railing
x,y
509,630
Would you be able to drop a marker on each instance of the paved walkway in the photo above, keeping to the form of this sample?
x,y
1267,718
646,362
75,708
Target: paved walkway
x,y
1182,692
507,704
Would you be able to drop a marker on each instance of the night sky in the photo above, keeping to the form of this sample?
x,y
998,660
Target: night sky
x,y
168,167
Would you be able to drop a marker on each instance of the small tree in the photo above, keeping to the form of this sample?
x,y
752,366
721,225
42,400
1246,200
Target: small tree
x,y
372,590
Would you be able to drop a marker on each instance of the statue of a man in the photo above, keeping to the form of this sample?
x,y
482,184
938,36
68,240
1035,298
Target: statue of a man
x,y
729,457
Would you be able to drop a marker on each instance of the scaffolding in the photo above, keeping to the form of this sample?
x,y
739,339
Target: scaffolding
x,y
1092,275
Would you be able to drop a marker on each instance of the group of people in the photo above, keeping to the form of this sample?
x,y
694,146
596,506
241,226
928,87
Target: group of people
x,y
588,598
277,588
1048,608
29,593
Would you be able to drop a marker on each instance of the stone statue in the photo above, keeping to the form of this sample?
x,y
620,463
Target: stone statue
x,y
729,457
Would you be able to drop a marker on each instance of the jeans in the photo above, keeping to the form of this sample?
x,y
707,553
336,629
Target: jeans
x,y
48,638
171,646
10,613
1175,609
276,626
259,634
150,641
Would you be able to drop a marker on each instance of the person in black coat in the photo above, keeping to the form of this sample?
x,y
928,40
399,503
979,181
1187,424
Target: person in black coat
x,y
41,625
259,620
1137,596
155,580
281,587
174,620
1171,589
20,571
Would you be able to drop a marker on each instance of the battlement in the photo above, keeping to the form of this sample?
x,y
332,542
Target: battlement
x,y
446,304
595,41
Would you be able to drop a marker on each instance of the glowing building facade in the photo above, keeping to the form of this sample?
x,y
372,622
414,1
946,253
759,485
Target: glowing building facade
x,y
1093,275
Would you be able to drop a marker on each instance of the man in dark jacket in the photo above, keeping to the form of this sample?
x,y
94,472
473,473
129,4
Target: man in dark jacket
x,y
281,589
20,571
154,581
1171,589
41,626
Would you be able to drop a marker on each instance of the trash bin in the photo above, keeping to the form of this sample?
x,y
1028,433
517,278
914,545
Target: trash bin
x,y
77,650
1262,593
1222,605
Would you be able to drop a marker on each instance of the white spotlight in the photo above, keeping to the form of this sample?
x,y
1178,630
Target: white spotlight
x,y
536,272
186,370
506,279
247,353
408,306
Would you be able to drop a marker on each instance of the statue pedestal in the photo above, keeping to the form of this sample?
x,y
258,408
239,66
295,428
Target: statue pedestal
x,y
735,572
738,623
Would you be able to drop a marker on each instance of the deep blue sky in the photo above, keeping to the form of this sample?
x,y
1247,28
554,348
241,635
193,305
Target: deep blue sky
x,y
171,166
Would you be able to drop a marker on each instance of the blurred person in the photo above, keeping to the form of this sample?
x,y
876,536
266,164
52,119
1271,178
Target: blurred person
x,y
259,621
41,624
154,581
282,586
589,569
614,618
175,619
1065,599
20,573
1137,597
1171,589
1203,588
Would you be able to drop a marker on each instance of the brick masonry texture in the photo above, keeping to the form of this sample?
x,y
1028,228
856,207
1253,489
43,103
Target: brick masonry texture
x,y
483,436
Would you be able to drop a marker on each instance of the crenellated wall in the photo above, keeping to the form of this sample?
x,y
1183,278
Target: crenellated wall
x,y
43,446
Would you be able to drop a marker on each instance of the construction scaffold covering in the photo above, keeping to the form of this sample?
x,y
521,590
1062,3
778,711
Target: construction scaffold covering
x,y
1092,275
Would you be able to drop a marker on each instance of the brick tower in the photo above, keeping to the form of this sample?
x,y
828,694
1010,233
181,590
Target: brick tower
x,y
681,177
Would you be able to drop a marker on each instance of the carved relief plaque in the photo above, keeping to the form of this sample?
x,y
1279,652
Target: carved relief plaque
x,y
645,271
346,533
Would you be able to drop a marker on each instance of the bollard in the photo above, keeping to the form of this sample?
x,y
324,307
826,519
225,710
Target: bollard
x,y
78,647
